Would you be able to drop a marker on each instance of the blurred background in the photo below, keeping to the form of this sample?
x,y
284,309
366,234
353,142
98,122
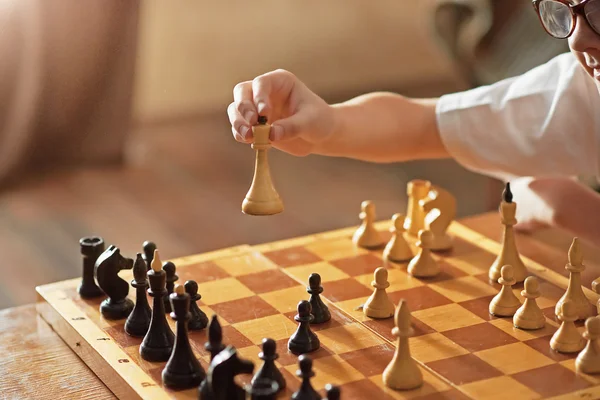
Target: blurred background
x,y
113,117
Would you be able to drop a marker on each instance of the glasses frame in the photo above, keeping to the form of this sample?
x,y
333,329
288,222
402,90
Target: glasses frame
x,y
575,9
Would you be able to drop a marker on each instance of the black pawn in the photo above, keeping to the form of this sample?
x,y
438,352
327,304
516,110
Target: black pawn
x,y
306,391
198,319
138,322
172,277
269,371
183,370
149,248
303,340
158,342
106,274
332,392
263,389
319,309
91,248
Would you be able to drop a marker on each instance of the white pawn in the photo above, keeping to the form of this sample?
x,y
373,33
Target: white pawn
x,y
505,303
397,249
423,265
379,305
529,315
588,361
567,338
574,293
367,235
402,373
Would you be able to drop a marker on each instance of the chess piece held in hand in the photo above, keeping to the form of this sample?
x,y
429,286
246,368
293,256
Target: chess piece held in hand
x,y
367,235
439,207
262,198
397,249
509,254
588,360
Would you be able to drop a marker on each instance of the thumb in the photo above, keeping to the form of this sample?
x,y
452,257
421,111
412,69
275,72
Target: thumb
x,y
288,128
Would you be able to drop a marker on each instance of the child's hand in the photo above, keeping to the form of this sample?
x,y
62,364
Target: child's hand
x,y
299,118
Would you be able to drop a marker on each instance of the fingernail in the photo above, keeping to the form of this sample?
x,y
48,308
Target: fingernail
x,y
244,132
248,116
261,106
276,132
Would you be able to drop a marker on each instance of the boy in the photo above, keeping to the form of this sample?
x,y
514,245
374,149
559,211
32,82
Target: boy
x,y
544,124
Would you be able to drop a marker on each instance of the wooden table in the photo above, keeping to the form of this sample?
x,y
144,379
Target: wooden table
x,y
36,364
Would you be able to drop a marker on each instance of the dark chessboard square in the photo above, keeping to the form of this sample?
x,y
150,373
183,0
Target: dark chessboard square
x,y
337,319
233,337
479,307
550,314
361,390
243,309
117,332
420,298
370,361
267,281
197,340
384,327
292,257
201,272
345,289
292,383
447,272
452,394
156,374
462,247
286,358
542,345
552,380
479,337
464,369
358,265
486,279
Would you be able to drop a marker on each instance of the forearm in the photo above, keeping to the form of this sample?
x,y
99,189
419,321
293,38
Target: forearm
x,y
384,127
579,214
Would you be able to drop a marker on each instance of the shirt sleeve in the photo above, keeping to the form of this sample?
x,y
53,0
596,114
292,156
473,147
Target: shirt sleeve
x,y
544,122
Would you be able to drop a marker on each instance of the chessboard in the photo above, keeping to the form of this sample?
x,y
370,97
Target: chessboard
x,y
462,350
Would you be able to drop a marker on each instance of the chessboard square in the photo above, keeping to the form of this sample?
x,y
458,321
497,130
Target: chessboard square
x,y
202,272
354,308
473,263
500,388
398,280
333,370
118,334
244,264
285,300
463,289
358,265
384,327
275,327
462,247
432,388
337,319
223,290
419,298
479,337
243,309
292,256
235,338
444,318
552,380
514,358
348,338
267,281
570,364
371,360
335,249
327,272
251,353
480,307
521,334
434,347
464,369
447,272
345,289
286,357
542,345
292,383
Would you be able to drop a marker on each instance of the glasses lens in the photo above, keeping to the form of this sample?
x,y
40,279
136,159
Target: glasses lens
x,y
556,17
592,13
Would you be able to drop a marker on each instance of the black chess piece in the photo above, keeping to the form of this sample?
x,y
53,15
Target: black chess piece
x,y
172,277
91,248
306,391
198,319
303,340
263,389
220,378
332,392
183,371
320,311
138,322
149,248
269,371
158,342
106,270
214,346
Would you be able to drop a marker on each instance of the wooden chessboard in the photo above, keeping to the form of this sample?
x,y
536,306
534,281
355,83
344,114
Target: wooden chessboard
x,y
463,351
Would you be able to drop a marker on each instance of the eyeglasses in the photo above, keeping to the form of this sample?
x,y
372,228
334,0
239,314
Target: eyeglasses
x,y
558,17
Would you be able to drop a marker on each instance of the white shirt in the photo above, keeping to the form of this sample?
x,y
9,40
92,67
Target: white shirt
x,y
544,122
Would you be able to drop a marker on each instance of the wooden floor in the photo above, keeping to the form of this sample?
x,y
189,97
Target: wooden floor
x,y
182,188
